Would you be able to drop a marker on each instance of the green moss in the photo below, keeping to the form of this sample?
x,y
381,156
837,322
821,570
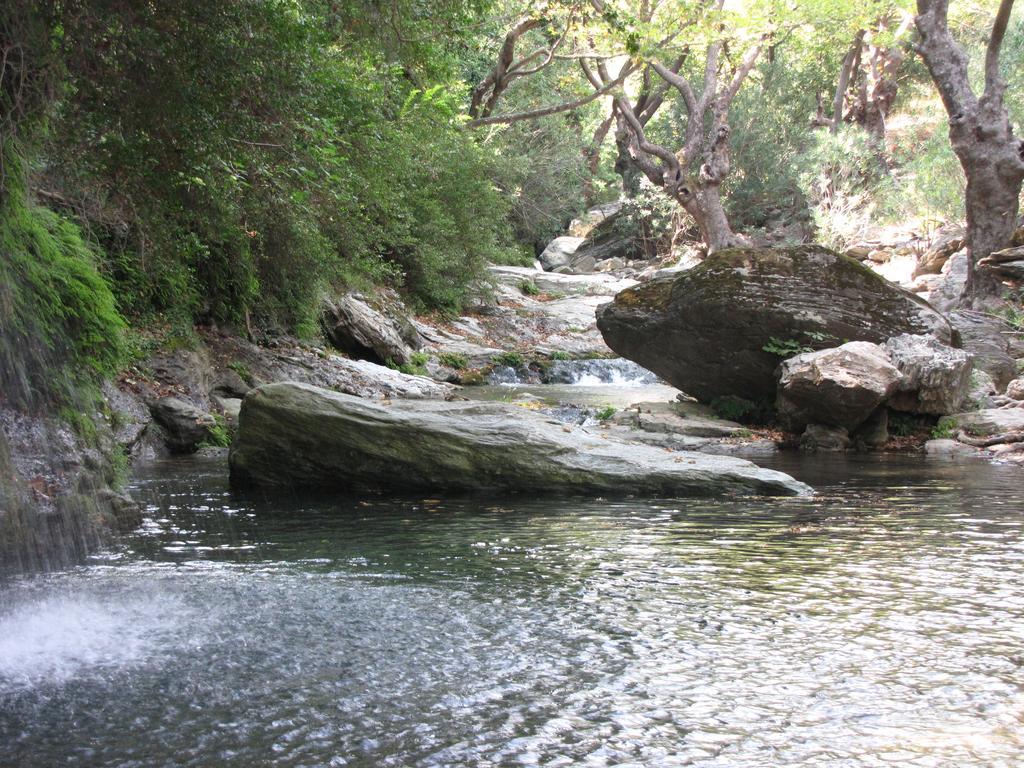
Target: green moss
x,y
59,324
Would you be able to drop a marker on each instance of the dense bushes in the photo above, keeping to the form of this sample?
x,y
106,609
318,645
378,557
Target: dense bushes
x,y
296,154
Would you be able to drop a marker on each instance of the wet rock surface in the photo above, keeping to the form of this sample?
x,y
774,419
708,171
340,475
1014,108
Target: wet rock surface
x,y
294,436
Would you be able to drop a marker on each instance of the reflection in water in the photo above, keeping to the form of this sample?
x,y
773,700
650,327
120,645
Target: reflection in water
x,y
877,624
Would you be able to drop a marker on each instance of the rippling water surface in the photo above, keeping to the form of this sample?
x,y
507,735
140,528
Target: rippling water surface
x,y
879,624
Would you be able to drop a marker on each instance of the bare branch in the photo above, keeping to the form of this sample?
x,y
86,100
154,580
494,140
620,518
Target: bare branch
x,y
844,79
747,64
549,110
993,82
637,131
680,83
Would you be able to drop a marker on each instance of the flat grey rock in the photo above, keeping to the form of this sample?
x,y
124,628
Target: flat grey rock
x,y
294,436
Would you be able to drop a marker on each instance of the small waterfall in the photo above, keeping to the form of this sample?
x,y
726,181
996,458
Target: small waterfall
x,y
617,372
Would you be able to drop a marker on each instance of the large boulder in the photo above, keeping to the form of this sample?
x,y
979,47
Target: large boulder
x,y
185,426
617,236
987,338
991,421
359,330
936,378
705,330
1015,389
294,436
838,387
559,252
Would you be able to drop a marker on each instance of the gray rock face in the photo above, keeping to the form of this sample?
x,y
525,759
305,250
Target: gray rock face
x,y
949,291
185,425
559,252
838,387
981,391
357,329
296,436
986,338
936,378
704,330
991,421
1015,389
819,437
947,448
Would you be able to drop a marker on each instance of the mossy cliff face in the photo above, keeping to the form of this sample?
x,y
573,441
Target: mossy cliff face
x,y
60,335
705,330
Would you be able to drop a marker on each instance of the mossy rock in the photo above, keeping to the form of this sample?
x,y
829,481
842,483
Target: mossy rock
x,y
705,330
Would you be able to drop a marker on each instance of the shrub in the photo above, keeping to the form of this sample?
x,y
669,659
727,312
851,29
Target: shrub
x,y
511,358
945,429
453,360
529,288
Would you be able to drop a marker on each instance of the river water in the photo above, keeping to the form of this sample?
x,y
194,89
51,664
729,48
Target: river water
x,y
880,623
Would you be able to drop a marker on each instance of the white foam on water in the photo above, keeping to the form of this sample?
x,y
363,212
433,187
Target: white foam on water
x,y
57,638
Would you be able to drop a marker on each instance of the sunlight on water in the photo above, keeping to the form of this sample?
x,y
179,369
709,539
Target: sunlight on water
x,y
878,624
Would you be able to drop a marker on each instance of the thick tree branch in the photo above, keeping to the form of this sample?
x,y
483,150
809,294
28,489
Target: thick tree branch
x,y
946,61
680,83
844,80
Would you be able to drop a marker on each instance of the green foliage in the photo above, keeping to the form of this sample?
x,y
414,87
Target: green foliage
x,y
243,372
732,408
605,413
529,288
217,434
842,176
560,355
786,348
945,429
453,360
1013,309
59,324
902,424
511,359
416,365
305,149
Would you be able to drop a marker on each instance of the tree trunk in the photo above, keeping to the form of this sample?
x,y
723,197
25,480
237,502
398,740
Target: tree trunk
x,y
992,199
981,136
704,203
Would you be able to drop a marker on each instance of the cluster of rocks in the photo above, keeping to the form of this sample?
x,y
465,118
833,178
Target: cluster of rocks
x,y
934,266
835,397
720,328
181,400
605,239
854,347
